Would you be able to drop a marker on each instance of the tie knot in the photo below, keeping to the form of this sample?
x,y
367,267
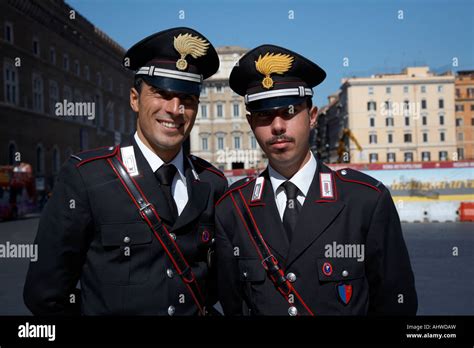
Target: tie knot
x,y
291,190
165,174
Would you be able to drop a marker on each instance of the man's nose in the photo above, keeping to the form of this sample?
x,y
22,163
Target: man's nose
x,y
278,125
172,106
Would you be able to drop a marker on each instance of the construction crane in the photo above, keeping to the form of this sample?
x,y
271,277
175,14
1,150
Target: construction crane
x,y
341,148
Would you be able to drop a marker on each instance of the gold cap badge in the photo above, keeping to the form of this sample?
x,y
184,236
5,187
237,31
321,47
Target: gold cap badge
x,y
273,63
187,44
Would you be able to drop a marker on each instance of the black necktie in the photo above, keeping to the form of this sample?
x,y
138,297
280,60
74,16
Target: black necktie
x,y
165,175
293,208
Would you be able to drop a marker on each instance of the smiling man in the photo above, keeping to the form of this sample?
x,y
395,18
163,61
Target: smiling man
x,y
275,234
134,224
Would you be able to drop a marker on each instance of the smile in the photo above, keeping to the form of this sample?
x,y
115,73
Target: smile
x,y
170,124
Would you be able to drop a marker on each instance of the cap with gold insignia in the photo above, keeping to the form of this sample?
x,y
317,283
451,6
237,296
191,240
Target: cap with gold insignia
x,y
271,77
176,60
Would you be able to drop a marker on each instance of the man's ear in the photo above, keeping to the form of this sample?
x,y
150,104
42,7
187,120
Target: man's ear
x,y
134,99
313,116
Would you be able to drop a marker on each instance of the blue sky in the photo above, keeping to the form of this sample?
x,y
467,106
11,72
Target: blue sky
x,y
368,32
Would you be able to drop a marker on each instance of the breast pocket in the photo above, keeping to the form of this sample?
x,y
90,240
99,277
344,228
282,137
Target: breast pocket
x,y
126,255
342,280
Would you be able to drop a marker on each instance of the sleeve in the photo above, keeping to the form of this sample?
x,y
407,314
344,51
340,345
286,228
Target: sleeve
x,y
391,281
62,245
228,283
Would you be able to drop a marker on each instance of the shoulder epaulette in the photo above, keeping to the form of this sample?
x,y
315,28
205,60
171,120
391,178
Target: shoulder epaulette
x,y
236,186
92,155
203,164
351,175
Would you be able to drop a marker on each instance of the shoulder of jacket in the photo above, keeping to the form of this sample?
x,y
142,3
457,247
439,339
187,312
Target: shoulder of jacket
x,y
95,154
202,164
357,177
239,184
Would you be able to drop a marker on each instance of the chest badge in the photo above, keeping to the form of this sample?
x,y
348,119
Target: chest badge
x,y
344,292
327,269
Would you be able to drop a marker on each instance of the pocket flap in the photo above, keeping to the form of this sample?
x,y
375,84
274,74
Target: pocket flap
x,y
251,270
116,234
338,269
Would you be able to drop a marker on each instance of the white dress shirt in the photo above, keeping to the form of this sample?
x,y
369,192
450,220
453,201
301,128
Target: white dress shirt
x,y
302,179
178,187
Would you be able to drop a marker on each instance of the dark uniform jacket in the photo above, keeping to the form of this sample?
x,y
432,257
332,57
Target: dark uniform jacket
x,y
360,212
90,221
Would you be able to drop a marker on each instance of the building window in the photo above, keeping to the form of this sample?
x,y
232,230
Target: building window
x,y
406,107
220,143
408,156
459,122
236,142
203,111
389,121
458,93
87,72
372,138
407,121
371,106
441,120
424,120
52,55
39,159
425,137
373,157
441,103
405,89
441,136
53,97
426,156
10,83
460,137
253,142
204,144
440,88
391,157
220,110
460,153
56,160
443,155
36,47
472,121
407,137
203,92
65,62
423,89
423,104
371,90
372,122
219,89
8,32
388,90
67,93
236,110
37,93
470,92
472,107
459,107
77,68
390,138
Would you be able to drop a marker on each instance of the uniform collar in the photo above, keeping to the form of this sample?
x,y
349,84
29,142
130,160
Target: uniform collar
x,y
302,179
156,162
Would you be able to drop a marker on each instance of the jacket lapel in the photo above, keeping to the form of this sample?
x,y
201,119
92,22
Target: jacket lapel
x,y
198,197
268,219
316,215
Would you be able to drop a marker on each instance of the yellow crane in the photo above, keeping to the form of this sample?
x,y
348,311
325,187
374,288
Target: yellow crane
x,y
341,148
